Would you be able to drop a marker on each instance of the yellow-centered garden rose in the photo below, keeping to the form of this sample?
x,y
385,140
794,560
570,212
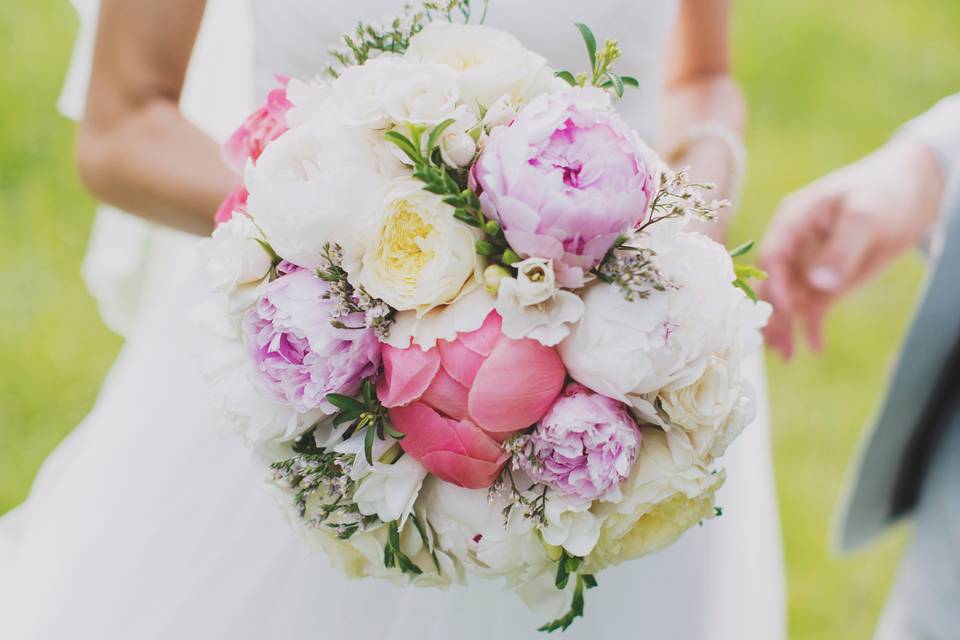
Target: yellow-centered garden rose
x,y
419,256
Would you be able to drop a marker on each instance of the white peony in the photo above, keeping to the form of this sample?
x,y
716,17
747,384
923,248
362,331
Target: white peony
x,y
489,63
628,349
389,490
321,182
532,306
419,256
662,498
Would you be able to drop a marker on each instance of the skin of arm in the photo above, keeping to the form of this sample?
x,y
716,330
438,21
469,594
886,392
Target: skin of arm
x,y
698,88
135,150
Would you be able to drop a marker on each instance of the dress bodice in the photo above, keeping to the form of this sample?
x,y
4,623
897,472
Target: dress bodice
x,y
293,36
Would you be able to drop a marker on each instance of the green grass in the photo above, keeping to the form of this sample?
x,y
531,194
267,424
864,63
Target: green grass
x,y
827,82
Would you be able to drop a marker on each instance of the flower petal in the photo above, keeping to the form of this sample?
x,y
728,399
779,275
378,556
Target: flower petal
x,y
462,471
406,374
446,395
515,386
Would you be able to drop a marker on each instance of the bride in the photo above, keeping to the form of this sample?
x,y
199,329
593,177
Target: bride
x,y
147,523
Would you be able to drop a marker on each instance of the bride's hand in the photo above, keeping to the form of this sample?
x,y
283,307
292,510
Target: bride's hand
x,y
830,236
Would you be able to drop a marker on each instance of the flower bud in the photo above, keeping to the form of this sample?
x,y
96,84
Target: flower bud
x,y
510,257
492,276
458,149
500,113
491,227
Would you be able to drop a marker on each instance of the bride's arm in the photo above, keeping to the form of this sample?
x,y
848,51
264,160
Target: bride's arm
x,y
703,111
135,149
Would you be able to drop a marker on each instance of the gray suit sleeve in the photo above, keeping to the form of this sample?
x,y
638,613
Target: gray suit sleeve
x,y
939,129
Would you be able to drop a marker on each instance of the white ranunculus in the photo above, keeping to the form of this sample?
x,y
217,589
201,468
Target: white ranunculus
x,y
663,497
628,349
320,182
419,256
532,306
233,257
570,524
390,490
489,62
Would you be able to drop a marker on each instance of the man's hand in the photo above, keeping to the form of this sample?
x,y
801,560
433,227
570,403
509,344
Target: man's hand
x,y
833,234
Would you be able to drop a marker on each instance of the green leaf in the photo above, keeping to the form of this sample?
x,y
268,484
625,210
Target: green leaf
x,y
573,563
747,271
437,132
344,417
368,444
630,81
391,430
466,218
591,41
563,576
742,249
617,84
746,288
270,252
368,395
344,403
485,248
404,144
567,77
576,606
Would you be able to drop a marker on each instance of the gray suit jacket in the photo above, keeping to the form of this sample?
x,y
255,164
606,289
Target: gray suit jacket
x,y
893,457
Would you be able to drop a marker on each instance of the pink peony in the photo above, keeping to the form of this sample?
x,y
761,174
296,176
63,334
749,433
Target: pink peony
x,y
565,179
455,402
262,127
299,357
235,201
584,446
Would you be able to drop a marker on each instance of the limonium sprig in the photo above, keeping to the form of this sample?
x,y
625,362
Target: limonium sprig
x,y
601,66
393,36
349,299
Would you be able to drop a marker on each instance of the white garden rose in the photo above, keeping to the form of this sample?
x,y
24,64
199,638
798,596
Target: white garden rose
x,y
320,182
712,411
419,256
233,257
628,349
662,498
532,306
489,63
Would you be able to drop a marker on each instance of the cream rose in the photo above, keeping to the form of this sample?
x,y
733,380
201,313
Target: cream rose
x,y
489,62
419,257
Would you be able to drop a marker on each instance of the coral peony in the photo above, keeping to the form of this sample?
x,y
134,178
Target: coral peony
x,y
456,400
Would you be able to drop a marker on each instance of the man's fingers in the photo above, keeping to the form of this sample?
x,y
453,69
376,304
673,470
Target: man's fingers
x,y
836,266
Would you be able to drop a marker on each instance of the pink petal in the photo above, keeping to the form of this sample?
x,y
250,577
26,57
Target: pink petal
x,y
425,430
406,374
463,471
459,361
446,395
484,339
515,386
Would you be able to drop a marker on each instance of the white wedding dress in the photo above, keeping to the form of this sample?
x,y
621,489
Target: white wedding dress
x,y
148,523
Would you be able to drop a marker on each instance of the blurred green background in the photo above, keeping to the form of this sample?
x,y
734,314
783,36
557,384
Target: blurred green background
x,y
827,81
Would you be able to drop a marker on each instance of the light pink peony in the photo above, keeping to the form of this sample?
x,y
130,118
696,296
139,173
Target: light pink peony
x,y
299,357
235,201
584,446
565,179
455,402
262,127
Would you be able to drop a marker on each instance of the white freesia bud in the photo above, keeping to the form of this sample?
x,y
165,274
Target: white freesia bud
x,y
500,113
532,306
458,149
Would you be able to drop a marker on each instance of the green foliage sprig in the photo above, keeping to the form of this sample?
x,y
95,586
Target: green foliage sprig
x,y
422,148
569,566
364,413
601,66
745,272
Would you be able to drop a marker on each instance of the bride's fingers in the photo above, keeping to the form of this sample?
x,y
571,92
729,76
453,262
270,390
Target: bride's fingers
x,y
779,330
813,316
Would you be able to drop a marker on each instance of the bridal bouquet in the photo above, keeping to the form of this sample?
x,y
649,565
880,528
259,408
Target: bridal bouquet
x,y
458,314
